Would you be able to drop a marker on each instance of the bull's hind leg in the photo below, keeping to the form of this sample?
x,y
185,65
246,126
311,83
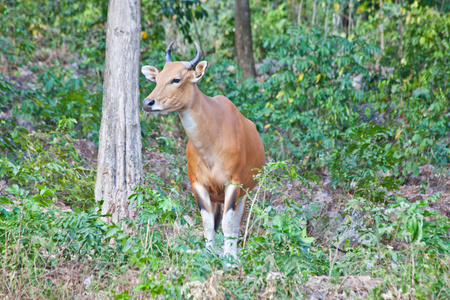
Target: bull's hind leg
x,y
239,214
217,216
207,210
228,221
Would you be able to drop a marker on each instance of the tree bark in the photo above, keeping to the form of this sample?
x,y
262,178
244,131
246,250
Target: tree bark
x,y
243,38
314,13
326,17
299,16
381,27
119,166
350,10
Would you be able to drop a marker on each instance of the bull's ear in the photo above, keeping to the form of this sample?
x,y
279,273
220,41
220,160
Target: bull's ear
x,y
199,71
150,73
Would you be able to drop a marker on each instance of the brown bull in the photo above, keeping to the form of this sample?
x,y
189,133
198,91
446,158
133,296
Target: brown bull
x,y
223,149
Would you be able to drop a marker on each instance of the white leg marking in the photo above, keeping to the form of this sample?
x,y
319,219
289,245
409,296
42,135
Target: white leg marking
x,y
208,227
207,215
230,244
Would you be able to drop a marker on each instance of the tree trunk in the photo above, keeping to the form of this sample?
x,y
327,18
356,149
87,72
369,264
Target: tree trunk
x,y
119,166
382,28
293,12
314,14
299,16
350,10
326,17
243,38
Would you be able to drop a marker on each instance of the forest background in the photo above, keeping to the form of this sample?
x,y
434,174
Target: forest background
x,y
351,99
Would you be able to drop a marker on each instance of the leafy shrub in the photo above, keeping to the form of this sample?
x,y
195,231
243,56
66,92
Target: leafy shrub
x,y
426,40
368,161
408,243
48,160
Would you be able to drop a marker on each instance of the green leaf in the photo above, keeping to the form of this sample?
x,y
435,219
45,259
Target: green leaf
x,y
417,93
277,221
4,200
308,240
415,169
127,246
259,239
121,236
408,166
112,232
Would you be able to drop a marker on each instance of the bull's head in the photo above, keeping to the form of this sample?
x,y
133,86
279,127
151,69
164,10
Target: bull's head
x,y
175,84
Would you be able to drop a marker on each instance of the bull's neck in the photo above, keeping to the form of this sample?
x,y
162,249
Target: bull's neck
x,y
199,123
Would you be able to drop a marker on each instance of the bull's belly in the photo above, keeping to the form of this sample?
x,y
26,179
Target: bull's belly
x,y
215,185
214,175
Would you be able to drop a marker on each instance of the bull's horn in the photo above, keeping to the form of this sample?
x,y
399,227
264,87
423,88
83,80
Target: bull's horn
x,y
168,56
196,59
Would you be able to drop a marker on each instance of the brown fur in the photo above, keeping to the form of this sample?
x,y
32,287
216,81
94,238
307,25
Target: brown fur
x,y
223,145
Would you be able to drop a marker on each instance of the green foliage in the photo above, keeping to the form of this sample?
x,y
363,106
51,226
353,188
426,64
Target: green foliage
x,y
426,40
364,102
407,243
285,231
61,94
307,101
32,23
185,13
46,160
36,238
267,21
368,161
269,236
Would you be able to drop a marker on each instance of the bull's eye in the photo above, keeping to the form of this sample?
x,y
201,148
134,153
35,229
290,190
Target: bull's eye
x,y
175,80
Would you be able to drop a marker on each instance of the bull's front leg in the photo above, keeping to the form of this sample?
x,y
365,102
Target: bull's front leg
x,y
231,219
207,210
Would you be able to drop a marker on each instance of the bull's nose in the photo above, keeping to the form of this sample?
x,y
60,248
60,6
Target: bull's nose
x,y
147,103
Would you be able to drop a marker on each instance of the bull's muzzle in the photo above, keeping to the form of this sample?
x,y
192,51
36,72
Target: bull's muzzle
x,y
147,104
